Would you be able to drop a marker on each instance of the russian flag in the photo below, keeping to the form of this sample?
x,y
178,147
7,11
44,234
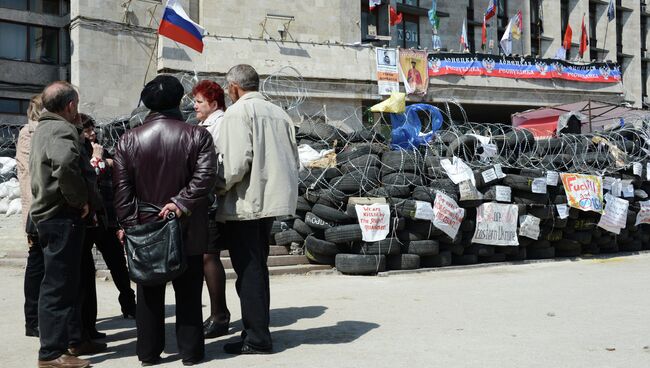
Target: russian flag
x,y
177,26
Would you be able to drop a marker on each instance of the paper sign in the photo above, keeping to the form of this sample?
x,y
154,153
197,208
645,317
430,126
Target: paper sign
x,y
617,188
374,220
552,178
496,224
615,215
447,216
607,182
562,210
387,73
643,217
539,185
457,170
637,168
503,193
423,210
468,191
628,189
647,171
499,171
529,226
584,192
489,175
489,151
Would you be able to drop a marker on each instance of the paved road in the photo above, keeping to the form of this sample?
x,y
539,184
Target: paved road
x,y
590,313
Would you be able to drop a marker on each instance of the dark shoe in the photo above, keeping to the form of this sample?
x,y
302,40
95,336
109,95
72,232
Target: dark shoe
x,y
239,348
149,363
87,348
31,331
213,329
64,361
191,362
129,312
94,334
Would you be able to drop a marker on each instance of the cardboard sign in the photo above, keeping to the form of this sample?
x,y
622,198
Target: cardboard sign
x,y
615,215
562,210
489,175
447,216
539,185
374,220
423,210
496,224
552,178
529,226
643,217
457,170
503,193
584,192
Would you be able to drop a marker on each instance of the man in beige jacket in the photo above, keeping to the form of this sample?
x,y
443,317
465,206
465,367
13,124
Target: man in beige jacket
x,y
260,182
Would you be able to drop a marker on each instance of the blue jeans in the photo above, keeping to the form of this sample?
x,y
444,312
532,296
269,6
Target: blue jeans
x,y
58,311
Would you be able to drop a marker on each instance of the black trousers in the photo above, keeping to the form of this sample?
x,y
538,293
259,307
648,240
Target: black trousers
x,y
150,315
113,254
58,314
34,272
248,243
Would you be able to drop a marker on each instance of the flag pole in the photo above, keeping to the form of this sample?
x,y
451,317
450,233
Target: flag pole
x,y
605,40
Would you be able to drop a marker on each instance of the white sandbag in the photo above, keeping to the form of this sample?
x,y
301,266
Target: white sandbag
x,y
4,192
4,205
14,207
12,189
7,164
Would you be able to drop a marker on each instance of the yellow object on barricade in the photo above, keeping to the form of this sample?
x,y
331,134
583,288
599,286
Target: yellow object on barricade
x,y
396,104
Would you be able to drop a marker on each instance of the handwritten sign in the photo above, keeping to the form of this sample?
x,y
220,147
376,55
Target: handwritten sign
x,y
529,226
539,185
423,210
503,193
552,178
468,191
457,170
643,217
489,175
496,224
615,215
584,192
374,220
562,210
447,216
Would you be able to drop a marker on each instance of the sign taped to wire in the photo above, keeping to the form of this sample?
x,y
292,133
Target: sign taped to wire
x,y
584,192
387,74
496,224
643,217
374,220
447,216
615,215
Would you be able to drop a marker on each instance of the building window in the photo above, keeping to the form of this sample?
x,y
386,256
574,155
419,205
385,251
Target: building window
x,y
502,17
643,33
408,32
54,7
535,28
593,41
470,28
29,43
644,79
564,19
13,106
409,2
374,24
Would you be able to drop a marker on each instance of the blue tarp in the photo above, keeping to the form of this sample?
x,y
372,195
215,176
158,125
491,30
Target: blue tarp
x,y
407,127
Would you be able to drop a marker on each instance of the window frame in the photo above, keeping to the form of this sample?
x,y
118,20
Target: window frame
x,y
23,104
414,18
62,9
28,56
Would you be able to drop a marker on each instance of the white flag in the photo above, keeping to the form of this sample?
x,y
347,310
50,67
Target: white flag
x,y
464,44
506,40
561,53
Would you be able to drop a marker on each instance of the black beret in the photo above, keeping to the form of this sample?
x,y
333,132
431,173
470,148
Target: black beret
x,y
163,93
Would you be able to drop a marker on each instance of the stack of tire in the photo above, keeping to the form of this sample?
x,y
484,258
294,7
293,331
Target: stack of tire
x,y
326,225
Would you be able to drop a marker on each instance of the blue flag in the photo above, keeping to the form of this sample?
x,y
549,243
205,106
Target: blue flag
x,y
611,11
433,16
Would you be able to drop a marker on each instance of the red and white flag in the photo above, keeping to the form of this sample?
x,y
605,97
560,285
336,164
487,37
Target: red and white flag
x,y
584,38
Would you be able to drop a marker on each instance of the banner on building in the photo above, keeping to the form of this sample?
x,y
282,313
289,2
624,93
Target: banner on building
x,y
374,221
387,75
413,70
447,216
496,224
584,192
521,68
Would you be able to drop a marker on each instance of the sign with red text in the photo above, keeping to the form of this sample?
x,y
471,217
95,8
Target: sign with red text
x,y
374,221
496,224
447,216
584,192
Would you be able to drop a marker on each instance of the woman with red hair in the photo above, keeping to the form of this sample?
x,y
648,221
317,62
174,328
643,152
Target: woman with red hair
x,y
209,104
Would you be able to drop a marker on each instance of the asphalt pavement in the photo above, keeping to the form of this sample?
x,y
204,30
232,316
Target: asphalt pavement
x,y
588,313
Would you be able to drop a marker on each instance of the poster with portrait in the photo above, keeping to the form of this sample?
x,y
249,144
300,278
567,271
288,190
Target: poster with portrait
x,y
414,71
387,76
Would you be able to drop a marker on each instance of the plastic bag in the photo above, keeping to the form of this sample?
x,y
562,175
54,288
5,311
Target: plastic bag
x,y
407,127
14,207
4,205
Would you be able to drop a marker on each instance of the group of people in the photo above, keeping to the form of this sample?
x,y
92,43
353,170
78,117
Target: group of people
x,y
225,179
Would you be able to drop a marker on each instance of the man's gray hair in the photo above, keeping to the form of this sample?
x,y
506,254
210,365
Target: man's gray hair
x,y
57,95
245,76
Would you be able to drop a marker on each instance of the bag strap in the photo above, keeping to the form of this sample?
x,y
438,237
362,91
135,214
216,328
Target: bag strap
x,y
148,207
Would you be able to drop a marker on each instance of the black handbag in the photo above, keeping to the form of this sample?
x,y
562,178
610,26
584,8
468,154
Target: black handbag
x,y
154,250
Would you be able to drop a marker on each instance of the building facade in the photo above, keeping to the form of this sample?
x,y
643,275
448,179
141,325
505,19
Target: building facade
x,y
113,49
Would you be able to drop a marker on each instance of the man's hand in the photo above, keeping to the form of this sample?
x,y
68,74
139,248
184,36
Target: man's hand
x,y
120,236
85,210
170,207
98,150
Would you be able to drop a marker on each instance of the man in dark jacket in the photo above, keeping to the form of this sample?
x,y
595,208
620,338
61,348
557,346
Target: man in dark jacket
x,y
60,203
170,164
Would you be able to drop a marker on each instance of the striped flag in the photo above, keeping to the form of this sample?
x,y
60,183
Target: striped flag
x,y
178,26
611,11
491,10
373,3
464,45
